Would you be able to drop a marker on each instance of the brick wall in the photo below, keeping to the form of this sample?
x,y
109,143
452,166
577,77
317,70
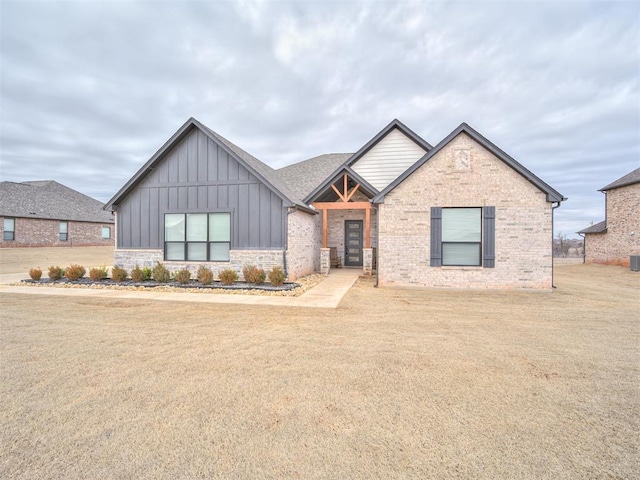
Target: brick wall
x,y
266,259
523,223
304,239
33,232
622,238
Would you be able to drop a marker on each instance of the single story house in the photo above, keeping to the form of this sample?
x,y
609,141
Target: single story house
x,y
617,237
48,214
461,213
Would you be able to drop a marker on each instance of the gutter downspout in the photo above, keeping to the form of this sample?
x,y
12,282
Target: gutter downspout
x,y
552,237
584,248
290,210
375,284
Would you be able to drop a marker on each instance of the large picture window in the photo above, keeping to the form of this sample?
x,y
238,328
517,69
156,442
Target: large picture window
x,y
462,236
198,237
9,229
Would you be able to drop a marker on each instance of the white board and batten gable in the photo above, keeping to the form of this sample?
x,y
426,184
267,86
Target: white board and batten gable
x,y
388,158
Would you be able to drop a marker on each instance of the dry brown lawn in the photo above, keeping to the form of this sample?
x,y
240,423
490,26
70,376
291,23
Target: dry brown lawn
x,y
20,260
394,384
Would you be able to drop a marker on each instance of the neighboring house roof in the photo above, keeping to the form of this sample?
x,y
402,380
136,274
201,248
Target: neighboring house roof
x,y
265,173
394,124
48,199
600,227
305,176
552,195
628,179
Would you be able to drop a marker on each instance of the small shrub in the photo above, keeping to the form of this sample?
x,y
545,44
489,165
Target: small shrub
x,y
277,276
228,276
253,274
137,274
182,276
35,274
118,274
204,275
147,271
55,273
74,272
97,274
160,273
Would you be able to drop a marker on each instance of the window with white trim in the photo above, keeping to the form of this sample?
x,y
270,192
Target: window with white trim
x,y
9,229
106,232
462,237
198,237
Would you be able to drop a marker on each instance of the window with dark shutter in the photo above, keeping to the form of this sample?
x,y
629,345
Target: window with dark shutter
x,y
436,237
462,237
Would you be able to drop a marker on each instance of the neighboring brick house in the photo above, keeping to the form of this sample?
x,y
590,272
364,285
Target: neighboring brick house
x,y
617,237
460,214
48,214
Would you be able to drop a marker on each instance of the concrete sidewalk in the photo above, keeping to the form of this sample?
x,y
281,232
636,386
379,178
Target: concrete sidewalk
x,y
326,294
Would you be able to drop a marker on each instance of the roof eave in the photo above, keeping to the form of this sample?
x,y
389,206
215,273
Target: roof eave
x,y
147,167
175,138
552,194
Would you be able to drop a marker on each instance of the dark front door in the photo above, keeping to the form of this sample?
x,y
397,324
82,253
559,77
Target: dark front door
x,y
353,243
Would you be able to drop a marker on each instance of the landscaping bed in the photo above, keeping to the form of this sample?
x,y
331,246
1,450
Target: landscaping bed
x,y
191,284
160,278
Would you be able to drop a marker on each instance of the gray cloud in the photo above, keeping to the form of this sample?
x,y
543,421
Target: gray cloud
x,y
90,90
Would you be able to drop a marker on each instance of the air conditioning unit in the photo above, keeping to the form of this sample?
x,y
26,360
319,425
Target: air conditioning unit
x,y
635,263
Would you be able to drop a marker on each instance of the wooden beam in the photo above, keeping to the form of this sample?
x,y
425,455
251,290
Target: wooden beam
x,y
367,227
355,189
338,193
345,186
324,228
341,205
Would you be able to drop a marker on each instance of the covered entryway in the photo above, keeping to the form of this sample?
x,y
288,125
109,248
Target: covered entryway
x,y
346,220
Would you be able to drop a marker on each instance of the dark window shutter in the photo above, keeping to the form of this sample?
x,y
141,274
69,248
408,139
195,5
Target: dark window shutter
x,y
489,240
436,237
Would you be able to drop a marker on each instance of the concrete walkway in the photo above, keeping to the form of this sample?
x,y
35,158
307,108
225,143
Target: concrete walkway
x,y
326,294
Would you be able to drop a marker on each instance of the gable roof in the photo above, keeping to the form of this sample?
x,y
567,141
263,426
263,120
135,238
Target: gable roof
x,y
303,177
552,195
394,124
263,172
600,227
628,179
48,199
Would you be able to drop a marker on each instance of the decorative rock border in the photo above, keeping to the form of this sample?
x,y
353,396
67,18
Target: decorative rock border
x,y
193,286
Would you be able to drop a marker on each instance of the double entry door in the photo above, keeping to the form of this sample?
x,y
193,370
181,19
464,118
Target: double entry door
x,y
353,243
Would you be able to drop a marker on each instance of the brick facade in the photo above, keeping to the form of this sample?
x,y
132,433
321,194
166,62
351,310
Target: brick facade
x,y
622,238
35,232
304,238
266,259
523,224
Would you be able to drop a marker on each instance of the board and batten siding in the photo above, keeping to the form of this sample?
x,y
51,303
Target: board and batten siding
x,y
198,175
388,159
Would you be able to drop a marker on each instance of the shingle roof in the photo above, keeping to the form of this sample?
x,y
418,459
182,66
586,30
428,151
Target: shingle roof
x,y
303,177
50,200
268,173
599,227
629,179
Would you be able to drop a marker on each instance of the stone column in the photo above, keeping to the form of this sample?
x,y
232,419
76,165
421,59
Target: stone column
x,y
325,261
367,261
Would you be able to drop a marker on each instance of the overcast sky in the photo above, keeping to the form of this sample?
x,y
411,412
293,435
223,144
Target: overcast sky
x,y
90,90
